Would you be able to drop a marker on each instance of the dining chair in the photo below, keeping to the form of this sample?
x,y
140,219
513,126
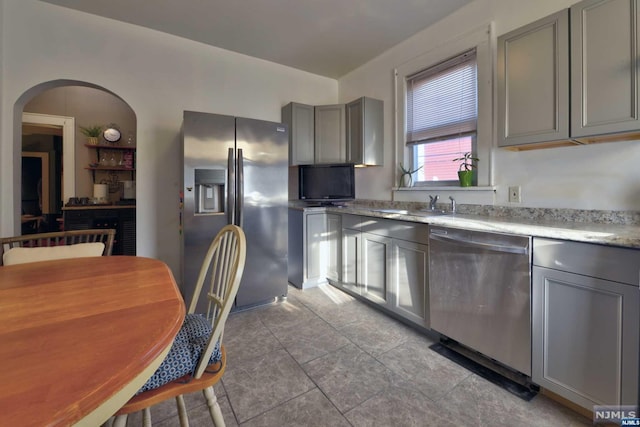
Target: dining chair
x,y
197,358
56,245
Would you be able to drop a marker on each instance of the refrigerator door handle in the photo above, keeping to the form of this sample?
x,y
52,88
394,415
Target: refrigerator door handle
x,y
240,191
231,187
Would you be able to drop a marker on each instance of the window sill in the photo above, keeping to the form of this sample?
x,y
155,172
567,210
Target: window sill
x,y
491,189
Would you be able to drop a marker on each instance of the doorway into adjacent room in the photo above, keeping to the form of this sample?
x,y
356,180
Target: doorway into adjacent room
x,y
42,187
51,152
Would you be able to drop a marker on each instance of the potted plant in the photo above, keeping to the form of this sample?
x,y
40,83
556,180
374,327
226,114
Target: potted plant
x,y
465,171
406,177
92,133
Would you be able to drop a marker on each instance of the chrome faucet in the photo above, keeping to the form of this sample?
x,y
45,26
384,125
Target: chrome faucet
x,y
453,204
432,202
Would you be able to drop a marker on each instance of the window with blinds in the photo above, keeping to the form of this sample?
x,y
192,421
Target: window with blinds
x,y
441,118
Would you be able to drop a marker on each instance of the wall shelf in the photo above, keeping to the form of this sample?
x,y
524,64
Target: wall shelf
x,y
124,149
109,168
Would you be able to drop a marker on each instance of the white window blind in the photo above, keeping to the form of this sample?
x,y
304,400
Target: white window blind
x,y
442,100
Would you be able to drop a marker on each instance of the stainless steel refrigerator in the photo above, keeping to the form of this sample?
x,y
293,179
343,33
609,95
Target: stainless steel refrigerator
x,y
236,172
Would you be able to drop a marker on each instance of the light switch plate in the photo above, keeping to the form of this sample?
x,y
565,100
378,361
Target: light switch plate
x,y
514,194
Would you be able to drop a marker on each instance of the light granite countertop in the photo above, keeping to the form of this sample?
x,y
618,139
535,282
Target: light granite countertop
x,y
579,226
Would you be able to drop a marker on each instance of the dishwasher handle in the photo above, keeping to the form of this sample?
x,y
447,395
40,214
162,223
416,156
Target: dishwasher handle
x,y
481,245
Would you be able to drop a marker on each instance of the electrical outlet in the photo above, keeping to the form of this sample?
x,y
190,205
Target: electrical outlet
x,y
514,194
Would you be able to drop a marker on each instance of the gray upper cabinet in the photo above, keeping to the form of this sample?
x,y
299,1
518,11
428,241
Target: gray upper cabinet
x,y
336,133
330,132
533,83
571,77
365,126
300,118
604,74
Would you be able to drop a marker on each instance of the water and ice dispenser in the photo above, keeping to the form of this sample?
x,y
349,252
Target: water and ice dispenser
x,y
209,191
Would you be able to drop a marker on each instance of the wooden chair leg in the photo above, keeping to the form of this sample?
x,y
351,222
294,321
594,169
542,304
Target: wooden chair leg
x,y
120,421
146,417
214,408
182,411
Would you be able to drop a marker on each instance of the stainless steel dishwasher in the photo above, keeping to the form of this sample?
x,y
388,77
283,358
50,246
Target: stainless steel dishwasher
x,y
480,292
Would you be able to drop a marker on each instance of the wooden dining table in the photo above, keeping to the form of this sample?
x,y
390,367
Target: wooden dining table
x,y
79,337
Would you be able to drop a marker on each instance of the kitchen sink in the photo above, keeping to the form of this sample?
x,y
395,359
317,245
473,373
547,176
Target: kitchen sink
x,y
392,211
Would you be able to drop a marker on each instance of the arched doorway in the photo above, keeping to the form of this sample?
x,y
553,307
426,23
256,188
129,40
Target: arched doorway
x,y
86,105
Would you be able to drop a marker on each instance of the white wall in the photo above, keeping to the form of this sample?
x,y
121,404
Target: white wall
x,y
158,75
585,177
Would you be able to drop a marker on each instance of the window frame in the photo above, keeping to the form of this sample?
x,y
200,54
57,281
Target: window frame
x,y
482,39
449,182
441,128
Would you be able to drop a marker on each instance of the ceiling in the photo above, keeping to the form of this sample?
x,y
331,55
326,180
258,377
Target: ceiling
x,y
325,37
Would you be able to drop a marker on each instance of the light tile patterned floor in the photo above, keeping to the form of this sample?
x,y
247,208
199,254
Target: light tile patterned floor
x,y
324,359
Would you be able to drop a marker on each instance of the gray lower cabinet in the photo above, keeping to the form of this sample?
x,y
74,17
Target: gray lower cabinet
x,y
334,246
386,262
375,266
409,282
351,254
314,247
585,322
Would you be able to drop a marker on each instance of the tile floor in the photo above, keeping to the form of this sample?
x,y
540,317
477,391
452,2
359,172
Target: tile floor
x,y
324,359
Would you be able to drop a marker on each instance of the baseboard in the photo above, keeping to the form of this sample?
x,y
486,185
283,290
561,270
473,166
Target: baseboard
x,y
567,403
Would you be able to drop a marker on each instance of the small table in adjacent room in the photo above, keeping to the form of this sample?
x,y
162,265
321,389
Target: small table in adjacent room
x,y
121,217
31,222
80,336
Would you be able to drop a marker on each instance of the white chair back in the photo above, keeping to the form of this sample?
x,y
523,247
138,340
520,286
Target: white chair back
x,y
223,266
